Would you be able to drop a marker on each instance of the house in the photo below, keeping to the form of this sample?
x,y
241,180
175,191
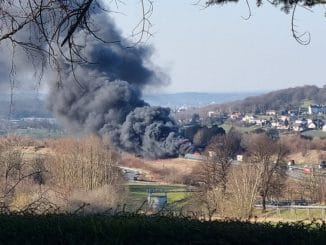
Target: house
x,y
260,122
324,128
317,109
249,119
301,121
319,123
182,108
283,127
235,115
239,158
211,114
271,113
284,118
312,125
275,124
280,125
299,127
293,113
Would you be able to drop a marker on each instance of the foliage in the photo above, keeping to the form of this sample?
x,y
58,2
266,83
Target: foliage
x,y
223,149
74,172
282,100
83,163
244,183
285,4
155,229
273,134
268,156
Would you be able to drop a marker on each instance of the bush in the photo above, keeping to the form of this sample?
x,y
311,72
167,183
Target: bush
x,y
155,229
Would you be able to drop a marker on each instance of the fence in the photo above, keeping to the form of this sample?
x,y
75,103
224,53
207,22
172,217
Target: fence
x,y
295,211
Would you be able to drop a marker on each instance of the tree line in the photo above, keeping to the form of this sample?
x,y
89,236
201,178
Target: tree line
x,y
281,100
67,174
228,188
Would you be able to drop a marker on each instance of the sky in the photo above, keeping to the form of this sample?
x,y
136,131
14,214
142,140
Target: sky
x,y
216,50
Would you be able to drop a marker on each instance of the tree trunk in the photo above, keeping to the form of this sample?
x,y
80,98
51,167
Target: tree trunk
x,y
264,203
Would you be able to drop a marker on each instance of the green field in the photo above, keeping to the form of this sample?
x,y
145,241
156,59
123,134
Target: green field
x,y
228,126
306,103
138,193
292,214
315,133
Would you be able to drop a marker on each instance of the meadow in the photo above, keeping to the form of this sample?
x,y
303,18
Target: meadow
x,y
138,193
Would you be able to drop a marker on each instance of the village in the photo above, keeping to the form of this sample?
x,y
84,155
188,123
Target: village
x,y
312,118
302,119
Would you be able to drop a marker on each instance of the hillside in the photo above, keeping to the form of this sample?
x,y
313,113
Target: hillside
x,y
284,99
27,104
32,104
194,99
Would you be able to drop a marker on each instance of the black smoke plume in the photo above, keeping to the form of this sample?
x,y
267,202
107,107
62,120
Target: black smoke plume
x,y
104,96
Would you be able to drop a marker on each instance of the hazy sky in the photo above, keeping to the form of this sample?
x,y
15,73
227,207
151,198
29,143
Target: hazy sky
x,y
216,50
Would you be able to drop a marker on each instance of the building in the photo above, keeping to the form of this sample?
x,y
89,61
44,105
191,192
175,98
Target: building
x,y
317,109
212,114
299,127
312,125
271,112
324,128
235,115
249,119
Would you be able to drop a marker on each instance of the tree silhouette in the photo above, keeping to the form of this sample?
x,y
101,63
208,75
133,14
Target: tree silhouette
x,y
45,29
288,6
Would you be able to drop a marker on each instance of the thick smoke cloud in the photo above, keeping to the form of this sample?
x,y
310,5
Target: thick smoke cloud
x,y
104,96
150,130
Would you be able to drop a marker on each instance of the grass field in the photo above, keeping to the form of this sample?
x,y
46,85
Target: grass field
x,y
306,103
138,193
315,133
292,214
228,126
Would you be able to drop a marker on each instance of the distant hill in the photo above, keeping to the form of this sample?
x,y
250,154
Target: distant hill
x,y
24,105
284,99
32,104
193,99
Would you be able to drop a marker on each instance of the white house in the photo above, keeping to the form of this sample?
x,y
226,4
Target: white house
x,y
312,125
271,112
324,128
249,119
211,114
299,127
283,118
235,115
